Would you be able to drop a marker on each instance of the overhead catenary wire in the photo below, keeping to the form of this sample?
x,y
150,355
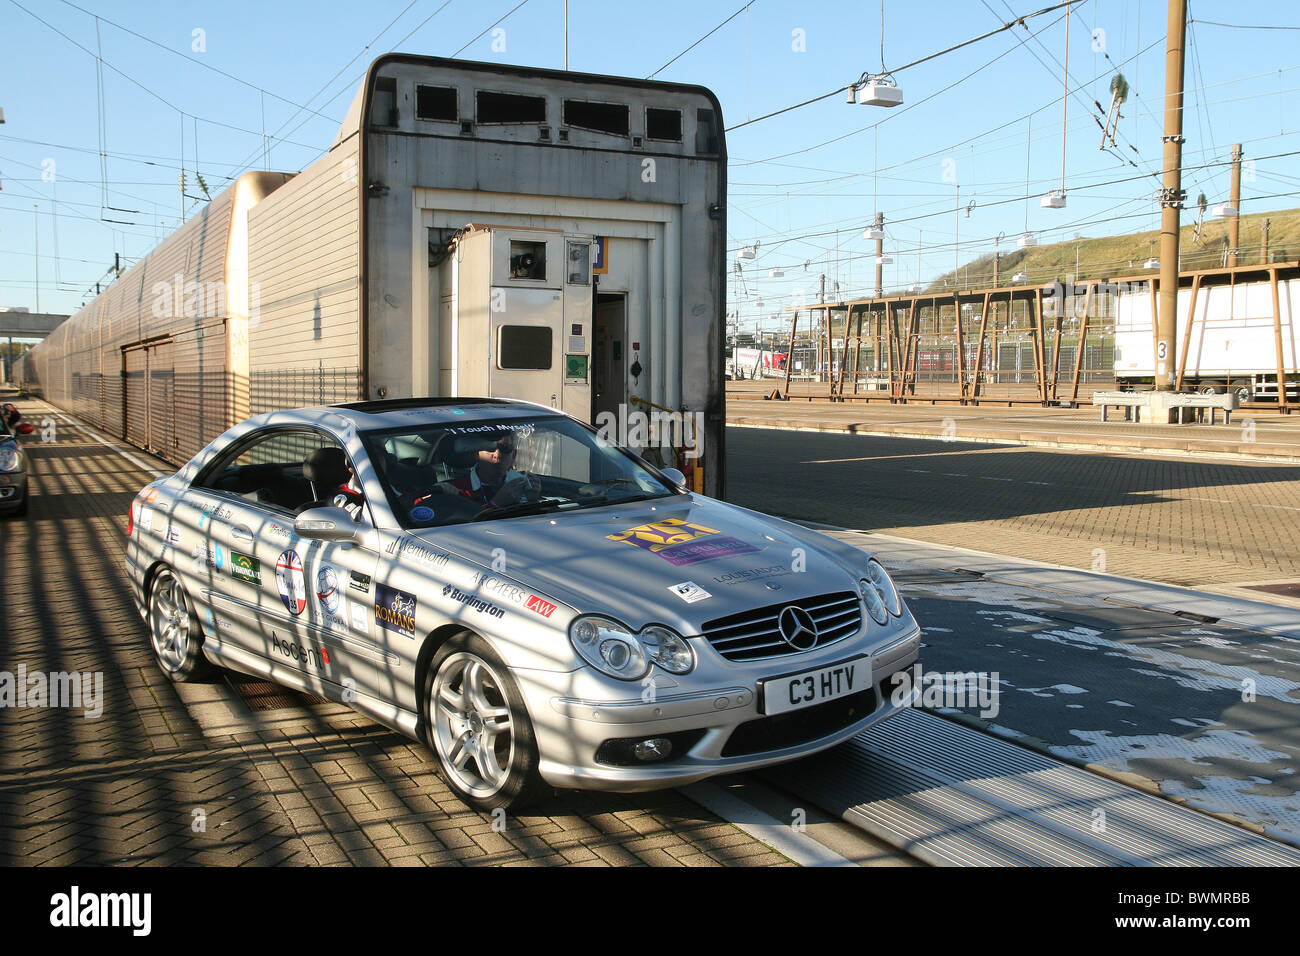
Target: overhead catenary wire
x,y
898,69
702,39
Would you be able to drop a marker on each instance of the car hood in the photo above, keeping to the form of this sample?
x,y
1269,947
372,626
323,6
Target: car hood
x,y
631,561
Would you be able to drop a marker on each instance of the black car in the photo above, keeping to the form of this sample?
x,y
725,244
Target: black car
x,y
13,463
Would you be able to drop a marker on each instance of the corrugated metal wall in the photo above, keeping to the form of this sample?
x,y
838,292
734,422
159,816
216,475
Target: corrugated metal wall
x,y
304,264
163,323
201,387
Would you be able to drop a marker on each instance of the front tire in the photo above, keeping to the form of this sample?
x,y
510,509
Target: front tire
x,y
174,632
477,725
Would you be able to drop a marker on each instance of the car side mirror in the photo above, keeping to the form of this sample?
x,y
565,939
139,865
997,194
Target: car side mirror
x,y
672,474
326,524
25,428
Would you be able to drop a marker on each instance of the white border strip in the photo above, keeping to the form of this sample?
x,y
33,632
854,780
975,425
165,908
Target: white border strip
x,y
781,837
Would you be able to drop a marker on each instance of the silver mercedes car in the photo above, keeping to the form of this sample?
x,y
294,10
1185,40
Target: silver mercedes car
x,y
539,605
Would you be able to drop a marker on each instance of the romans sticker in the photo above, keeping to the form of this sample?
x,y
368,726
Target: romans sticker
x,y
395,610
289,579
690,592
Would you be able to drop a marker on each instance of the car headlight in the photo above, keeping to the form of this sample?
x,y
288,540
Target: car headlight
x,y
884,586
613,649
874,602
609,647
10,459
668,649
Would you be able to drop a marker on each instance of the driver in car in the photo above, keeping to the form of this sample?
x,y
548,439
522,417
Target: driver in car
x,y
493,480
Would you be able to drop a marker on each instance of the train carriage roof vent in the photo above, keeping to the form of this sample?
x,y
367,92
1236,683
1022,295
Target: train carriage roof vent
x,y
599,117
501,108
664,125
436,103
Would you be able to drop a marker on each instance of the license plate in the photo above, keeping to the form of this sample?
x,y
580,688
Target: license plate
x,y
777,695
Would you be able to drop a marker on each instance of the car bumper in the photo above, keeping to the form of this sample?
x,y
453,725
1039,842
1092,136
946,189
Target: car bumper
x,y
13,491
721,729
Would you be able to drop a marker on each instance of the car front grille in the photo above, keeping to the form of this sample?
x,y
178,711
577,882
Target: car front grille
x,y
800,726
755,635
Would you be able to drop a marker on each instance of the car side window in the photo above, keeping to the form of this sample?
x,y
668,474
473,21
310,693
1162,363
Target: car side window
x,y
269,470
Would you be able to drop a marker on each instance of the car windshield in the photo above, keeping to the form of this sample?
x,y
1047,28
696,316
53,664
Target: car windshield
x,y
435,475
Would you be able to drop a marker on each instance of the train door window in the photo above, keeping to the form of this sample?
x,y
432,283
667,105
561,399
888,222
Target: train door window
x,y
524,347
436,103
663,125
510,108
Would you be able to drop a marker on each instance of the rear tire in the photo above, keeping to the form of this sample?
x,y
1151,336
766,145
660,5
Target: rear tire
x,y
477,726
174,632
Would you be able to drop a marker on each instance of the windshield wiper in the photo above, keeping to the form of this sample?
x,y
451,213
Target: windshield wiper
x,y
606,500
523,508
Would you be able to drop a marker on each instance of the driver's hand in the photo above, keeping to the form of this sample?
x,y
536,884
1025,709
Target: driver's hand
x,y
520,489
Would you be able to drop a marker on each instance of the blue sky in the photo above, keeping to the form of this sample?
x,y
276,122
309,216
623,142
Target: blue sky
x,y
982,120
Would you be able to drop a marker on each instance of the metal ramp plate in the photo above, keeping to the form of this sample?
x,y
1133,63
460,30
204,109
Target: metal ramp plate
x,y
952,796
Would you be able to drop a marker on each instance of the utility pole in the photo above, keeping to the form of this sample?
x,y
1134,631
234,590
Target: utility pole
x,y
880,255
1264,243
1171,196
1234,221
36,231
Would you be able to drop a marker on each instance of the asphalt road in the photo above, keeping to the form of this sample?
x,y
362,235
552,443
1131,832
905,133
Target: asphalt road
x,y
1215,525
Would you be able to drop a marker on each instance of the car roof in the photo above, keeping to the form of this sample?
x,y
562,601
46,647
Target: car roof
x,y
400,412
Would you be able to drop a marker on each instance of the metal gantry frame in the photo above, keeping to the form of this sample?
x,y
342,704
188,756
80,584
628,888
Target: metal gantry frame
x,y
894,332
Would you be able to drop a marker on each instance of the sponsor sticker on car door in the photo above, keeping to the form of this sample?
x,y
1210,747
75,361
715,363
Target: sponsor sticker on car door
x,y
290,582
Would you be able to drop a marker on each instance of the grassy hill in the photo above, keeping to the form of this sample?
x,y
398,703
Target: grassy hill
x,y
1123,255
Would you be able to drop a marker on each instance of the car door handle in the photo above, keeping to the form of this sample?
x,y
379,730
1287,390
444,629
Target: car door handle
x,y
239,531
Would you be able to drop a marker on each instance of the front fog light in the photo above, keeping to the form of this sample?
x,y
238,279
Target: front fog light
x,y
656,748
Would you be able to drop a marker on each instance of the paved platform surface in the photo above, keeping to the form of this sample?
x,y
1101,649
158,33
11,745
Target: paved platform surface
x,y
1216,525
1253,434
187,775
